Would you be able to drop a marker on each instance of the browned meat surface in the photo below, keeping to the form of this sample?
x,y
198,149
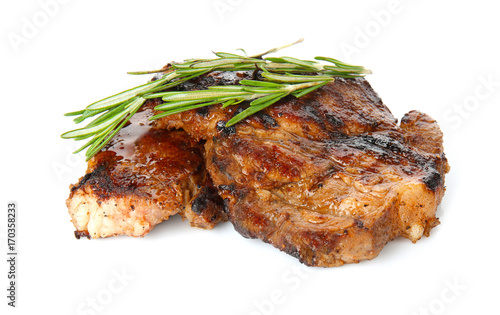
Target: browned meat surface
x,y
144,176
329,178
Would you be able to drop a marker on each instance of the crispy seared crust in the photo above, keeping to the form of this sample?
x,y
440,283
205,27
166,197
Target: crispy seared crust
x,y
144,176
329,178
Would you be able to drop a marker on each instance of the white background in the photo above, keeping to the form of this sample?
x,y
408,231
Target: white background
x,y
434,56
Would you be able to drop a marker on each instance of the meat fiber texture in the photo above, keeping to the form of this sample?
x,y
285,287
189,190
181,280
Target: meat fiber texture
x,y
144,176
328,178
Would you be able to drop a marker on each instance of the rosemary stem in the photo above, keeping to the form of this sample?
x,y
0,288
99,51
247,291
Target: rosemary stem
x,y
281,77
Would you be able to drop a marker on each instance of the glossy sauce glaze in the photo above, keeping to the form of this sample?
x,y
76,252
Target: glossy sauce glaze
x,y
146,161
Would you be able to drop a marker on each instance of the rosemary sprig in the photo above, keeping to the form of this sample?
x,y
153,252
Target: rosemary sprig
x,y
281,77
261,94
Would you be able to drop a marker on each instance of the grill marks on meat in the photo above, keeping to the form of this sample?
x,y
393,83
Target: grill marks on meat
x,y
144,176
329,178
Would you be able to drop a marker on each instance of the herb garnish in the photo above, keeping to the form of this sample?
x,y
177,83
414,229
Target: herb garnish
x,y
281,77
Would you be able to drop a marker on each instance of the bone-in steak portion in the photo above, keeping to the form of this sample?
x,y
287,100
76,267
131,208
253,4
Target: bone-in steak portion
x,y
144,176
329,178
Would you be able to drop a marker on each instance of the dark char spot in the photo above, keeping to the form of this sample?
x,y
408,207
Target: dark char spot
x,y
433,179
202,111
334,121
226,187
266,120
80,234
200,202
226,205
225,131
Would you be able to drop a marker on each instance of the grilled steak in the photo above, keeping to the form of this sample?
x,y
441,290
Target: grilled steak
x,y
144,176
329,178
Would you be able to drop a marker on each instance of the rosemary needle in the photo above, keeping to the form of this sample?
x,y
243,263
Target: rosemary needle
x,y
282,76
